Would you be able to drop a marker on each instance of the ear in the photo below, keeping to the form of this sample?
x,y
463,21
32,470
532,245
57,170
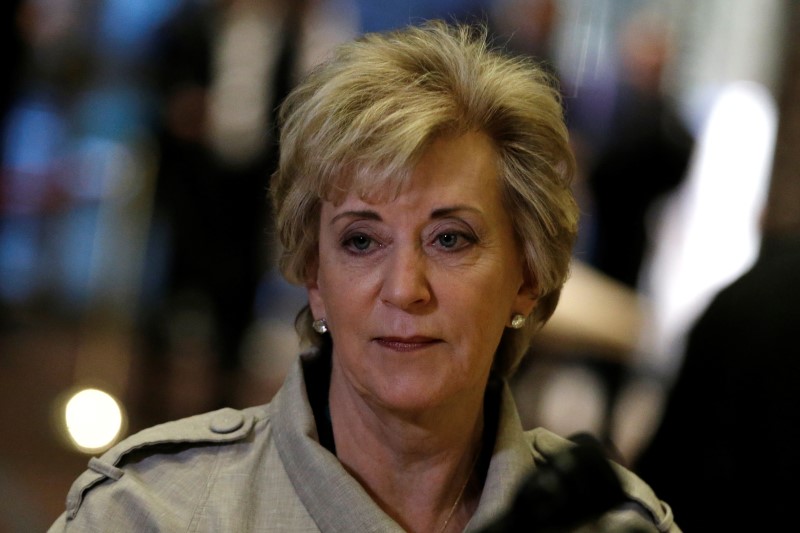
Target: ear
x,y
527,297
315,299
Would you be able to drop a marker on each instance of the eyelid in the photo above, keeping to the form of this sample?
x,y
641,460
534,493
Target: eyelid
x,y
453,225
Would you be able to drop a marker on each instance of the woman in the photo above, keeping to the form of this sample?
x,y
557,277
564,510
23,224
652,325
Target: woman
x,y
423,199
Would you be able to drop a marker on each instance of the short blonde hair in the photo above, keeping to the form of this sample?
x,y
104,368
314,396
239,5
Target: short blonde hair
x,y
360,122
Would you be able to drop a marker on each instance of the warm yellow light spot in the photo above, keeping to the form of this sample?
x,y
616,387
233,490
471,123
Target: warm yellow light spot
x,y
94,419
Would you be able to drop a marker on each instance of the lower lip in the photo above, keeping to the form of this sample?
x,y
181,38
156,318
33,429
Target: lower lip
x,y
399,346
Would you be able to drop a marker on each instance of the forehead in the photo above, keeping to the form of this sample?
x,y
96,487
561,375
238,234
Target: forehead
x,y
452,169
466,161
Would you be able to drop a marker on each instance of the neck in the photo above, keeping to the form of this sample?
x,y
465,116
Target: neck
x,y
418,467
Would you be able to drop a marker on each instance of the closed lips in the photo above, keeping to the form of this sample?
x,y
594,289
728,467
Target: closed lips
x,y
407,343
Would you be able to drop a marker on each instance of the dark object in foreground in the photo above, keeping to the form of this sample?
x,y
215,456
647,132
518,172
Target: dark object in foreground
x,y
575,488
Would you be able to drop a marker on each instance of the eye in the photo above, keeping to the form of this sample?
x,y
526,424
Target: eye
x,y
360,243
453,240
448,240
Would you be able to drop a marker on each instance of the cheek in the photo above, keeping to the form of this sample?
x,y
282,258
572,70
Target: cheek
x,y
482,304
497,301
342,296
494,286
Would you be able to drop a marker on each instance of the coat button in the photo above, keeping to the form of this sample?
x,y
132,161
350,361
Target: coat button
x,y
226,421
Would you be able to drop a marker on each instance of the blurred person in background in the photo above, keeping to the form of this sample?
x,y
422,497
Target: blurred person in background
x,y
643,157
224,68
423,199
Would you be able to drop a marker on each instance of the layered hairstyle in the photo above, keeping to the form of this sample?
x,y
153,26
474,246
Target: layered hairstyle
x,y
360,121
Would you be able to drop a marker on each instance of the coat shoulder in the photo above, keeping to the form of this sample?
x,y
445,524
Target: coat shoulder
x,y
207,431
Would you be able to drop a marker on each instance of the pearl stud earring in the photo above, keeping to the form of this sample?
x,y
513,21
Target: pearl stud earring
x,y
320,326
517,321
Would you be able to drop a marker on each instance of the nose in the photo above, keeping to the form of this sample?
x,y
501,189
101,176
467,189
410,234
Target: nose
x,y
406,284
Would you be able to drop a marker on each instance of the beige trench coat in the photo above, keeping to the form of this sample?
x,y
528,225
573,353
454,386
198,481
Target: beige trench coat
x,y
262,469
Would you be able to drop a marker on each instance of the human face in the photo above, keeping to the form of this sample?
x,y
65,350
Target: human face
x,y
417,291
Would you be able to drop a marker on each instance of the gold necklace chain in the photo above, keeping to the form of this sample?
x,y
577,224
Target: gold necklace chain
x,y
461,492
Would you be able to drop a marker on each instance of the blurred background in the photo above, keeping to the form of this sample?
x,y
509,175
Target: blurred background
x,y
137,278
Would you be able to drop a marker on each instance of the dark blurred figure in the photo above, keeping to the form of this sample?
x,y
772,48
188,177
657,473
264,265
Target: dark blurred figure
x,y
15,49
569,493
644,156
737,396
211,209
17,509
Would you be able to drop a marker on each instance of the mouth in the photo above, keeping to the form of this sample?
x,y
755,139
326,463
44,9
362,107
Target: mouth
x,y
407,344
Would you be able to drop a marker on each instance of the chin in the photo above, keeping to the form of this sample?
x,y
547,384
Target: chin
x,y
409,394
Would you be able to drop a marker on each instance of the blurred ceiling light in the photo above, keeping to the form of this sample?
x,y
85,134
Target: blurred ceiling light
x,y
94,419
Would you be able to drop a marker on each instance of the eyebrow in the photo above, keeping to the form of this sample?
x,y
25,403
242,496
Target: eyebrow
x,y
366,213
441,212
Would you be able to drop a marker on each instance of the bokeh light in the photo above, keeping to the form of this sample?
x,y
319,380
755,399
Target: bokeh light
x,y
94,419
